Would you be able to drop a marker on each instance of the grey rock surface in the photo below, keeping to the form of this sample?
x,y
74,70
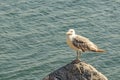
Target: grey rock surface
x,y
76,70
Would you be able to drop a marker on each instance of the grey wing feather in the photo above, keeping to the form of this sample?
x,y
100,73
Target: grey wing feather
x,y
81,43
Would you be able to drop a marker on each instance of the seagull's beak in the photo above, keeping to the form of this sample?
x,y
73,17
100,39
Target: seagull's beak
x,y
68,33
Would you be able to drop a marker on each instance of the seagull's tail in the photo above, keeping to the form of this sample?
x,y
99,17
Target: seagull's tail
x,y
100,50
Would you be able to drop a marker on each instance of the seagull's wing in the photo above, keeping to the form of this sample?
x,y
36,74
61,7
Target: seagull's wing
x,y
83,43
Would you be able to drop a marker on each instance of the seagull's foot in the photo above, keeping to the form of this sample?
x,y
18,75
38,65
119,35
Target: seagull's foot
x,y
76,61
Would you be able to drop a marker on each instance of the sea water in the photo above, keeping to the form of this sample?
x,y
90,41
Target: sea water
x,y
33,36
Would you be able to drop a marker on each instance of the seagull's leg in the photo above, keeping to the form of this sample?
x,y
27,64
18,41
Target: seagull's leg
x,y
77,55
80,52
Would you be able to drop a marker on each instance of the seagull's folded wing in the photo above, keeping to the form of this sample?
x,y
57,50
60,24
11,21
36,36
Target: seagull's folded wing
x,y
81,42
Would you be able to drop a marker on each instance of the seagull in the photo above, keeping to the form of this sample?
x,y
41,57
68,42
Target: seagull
x,y
80,44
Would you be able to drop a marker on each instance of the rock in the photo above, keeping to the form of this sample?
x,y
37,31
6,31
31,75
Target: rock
x,y
76,70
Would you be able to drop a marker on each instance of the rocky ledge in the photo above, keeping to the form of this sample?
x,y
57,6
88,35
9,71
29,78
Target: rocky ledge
x,y
76,70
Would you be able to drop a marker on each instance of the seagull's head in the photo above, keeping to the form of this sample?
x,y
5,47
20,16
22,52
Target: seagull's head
x,y
71,32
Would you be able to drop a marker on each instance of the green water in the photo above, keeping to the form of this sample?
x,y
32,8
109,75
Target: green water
x,y
33,40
